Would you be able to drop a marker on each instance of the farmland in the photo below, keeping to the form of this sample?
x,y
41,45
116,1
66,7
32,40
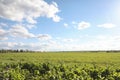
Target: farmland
x,y
60,66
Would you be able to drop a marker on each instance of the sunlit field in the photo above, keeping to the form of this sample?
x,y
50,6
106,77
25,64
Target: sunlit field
x,y
102,58
60,66
59,39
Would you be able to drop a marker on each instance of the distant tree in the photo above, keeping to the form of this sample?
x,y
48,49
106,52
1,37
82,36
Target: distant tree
x,y
21,50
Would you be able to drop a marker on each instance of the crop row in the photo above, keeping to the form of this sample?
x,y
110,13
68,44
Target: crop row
x,y
47,71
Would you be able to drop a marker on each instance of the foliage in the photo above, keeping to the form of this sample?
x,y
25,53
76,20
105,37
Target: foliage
x,y
60,66
47,71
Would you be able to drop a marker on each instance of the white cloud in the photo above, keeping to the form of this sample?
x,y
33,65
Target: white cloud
x,y
29,10
44,37
30,20
49,43
65,25
37,46
3,34
104,42
29,26
20,31
101,42
69,40
3,38
3,25
56,18
7,45
73,22
83,25
107,25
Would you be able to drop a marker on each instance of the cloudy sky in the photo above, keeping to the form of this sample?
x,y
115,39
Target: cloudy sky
x,y
60,25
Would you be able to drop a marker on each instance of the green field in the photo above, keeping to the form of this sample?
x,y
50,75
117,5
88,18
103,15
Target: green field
x,y
102,58
75,65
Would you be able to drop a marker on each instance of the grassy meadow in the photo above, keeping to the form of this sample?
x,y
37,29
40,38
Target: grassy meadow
x,y
101,58
60,66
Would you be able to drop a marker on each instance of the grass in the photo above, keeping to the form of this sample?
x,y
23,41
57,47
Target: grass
x,y
60,66
99,58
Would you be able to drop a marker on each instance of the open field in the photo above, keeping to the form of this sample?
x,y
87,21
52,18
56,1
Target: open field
x,y
60,66
102,58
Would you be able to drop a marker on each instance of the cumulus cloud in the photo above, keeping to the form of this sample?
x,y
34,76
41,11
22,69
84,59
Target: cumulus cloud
x,y
29,10
28,26
83,25
3,25
69,40
3,34
29,46
107,25
20,31
44,37
65,25
3,38
73,22
101,42
97,43
7,45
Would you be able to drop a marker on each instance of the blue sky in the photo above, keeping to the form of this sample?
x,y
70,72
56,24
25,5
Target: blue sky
x,y
60,25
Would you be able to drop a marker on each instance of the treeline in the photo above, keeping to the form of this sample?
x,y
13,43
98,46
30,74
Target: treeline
x,y
14,51
96,51
21,50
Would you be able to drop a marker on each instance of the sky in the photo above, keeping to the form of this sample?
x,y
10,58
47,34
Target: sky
x,y
60,25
